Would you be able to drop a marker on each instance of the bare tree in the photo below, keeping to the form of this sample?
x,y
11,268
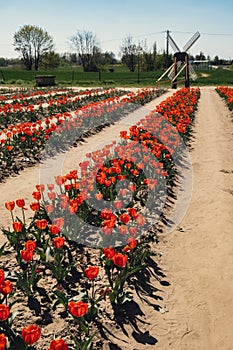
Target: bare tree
x,y
88,49
33,43
129,51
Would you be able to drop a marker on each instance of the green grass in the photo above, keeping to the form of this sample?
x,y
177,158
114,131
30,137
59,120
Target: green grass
x,y
220,76
120,77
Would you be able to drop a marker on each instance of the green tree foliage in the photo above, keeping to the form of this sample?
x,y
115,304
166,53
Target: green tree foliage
x,y
50,59
33,43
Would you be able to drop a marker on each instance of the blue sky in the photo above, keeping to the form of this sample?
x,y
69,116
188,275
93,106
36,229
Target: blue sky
x,y
111,21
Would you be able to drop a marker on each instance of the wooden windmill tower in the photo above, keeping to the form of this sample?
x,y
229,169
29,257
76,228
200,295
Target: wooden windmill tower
x,y
181,61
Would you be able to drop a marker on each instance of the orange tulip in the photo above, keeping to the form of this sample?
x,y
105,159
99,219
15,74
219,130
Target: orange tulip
x,y
120,259
10,205
41,224
17,226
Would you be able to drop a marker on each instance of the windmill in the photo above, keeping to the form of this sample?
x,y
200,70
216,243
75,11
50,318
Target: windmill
x,y
181,61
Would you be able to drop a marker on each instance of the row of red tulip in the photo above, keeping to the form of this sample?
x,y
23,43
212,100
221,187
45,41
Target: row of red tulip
x,y
227,93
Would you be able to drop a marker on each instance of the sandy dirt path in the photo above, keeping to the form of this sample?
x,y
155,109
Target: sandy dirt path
x,y
198,258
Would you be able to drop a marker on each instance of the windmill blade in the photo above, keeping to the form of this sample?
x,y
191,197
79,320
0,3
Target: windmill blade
x,y
173,44
171,74
192,72
191,41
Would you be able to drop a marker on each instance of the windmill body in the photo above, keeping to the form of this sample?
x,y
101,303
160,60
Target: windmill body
x,y
181,61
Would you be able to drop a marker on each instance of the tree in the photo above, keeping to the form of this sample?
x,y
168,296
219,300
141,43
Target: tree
x,y
109,57
50,60
33,43
130,52
200,57
88,49
148,56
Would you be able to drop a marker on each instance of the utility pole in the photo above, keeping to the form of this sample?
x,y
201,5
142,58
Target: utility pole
x,y
167,48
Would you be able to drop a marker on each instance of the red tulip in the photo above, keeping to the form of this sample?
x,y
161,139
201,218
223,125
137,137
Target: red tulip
x,y
50,187
58,344
35,206
31,334
92,272
125,218
27,254
4,312
54,229
51,195
30,245
20,202
58,242
36,195
123,229
132,243
3,341
109,252
78,309
6,287
59,222
40,188
2,275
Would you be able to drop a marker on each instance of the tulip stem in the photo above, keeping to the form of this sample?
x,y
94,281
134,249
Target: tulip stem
x,y
24,221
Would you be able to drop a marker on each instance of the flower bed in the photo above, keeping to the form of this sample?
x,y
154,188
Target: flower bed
x,y
21,144
48,274
227,93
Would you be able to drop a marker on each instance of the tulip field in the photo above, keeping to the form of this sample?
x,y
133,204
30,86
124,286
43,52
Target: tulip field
x,y
78,247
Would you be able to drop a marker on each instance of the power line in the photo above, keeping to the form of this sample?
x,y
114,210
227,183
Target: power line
x,y
134,36
202,33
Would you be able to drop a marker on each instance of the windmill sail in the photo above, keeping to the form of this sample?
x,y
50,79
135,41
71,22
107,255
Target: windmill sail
x,y
192,72
171,74
191,41
173,44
